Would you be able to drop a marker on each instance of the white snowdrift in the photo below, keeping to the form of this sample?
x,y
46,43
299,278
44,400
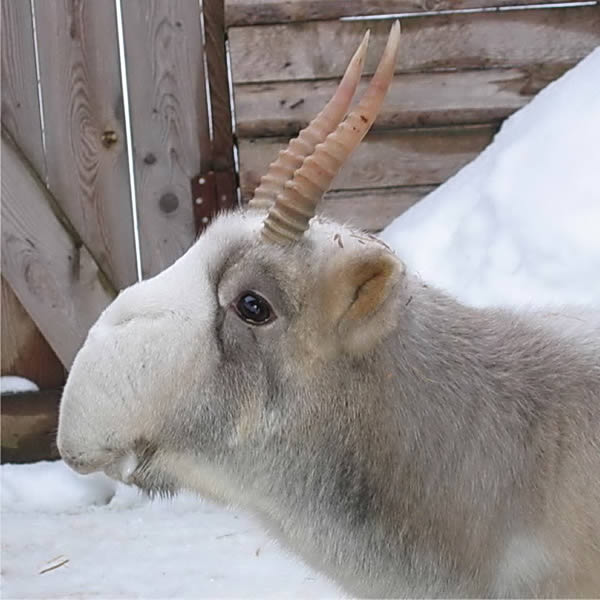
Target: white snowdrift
x,y
11,384
520,225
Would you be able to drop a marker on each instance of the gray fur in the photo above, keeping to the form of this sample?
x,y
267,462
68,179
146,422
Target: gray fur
x,y
424,449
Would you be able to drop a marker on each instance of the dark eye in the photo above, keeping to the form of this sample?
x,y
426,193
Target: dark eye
x,y
253,308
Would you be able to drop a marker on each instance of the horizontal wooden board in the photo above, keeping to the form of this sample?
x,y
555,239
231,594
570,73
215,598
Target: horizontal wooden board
x,y
414,100
321,49
371,209
25,352
251,12
383,159
52,273
29,424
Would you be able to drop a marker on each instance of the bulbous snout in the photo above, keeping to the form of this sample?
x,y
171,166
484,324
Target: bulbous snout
x,y
100,411
126,381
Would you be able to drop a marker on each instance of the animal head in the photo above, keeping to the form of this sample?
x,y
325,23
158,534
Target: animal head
x,y
200,368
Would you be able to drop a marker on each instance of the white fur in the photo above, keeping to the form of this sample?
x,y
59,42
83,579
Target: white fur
x,y
524,565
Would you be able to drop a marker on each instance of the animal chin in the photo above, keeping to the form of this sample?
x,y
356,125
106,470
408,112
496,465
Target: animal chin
x,y
152,480
139,467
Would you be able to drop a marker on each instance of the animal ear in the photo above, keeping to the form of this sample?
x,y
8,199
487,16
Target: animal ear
x,y
360,300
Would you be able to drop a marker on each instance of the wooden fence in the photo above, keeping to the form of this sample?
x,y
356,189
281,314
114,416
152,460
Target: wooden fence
x,y
459,74
68,227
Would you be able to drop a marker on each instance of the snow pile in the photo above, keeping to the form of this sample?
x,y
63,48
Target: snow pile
x,y
11,384
64,490
71,536
520,225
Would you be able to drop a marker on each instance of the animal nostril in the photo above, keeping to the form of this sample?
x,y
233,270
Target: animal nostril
x,y
81,464
71,459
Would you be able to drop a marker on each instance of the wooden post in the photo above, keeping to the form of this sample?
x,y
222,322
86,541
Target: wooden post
x,y
223,176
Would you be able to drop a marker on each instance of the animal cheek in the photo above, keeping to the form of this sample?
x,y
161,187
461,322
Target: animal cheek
x,y
248,423
315,343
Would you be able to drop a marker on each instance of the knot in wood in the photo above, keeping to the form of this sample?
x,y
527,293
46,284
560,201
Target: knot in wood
x,y
109,138
168,203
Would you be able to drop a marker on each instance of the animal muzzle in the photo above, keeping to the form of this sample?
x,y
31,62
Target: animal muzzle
x,y
121,386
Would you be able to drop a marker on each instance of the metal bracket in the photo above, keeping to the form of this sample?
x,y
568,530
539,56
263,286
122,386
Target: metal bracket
x,y
212,191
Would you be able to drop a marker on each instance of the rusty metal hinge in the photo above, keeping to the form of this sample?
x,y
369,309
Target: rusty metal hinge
x,y
212,191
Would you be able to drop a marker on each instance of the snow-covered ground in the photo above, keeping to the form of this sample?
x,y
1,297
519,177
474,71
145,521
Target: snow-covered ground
x,y
519,225
66,535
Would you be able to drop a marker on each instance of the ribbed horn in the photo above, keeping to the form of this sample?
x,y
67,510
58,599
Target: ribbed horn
x,y
288,160
295,206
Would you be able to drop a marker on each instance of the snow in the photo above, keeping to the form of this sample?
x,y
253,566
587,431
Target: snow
x,y
119,544
519,225
10,384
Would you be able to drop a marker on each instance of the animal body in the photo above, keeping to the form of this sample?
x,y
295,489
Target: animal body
x,y
398,441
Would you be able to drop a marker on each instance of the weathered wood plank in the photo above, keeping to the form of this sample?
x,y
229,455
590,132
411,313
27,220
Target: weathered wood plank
x,y
251,12
413,100
371,209
214,30
383,159
480,40
20,107
164,53
50,270
222,139
86,156
25,352
29,424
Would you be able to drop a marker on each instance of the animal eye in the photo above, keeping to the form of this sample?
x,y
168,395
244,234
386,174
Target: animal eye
x,y
254,309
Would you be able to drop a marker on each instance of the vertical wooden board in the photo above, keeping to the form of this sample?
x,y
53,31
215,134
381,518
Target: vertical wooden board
x,y
222,162
85,142
169,118
214,26
20,107
25,352
51,272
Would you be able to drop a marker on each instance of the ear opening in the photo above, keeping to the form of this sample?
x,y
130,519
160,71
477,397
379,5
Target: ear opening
x,y
361,297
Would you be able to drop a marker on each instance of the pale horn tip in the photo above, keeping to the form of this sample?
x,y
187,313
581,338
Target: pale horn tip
x,y
393,42
355,66
362,48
